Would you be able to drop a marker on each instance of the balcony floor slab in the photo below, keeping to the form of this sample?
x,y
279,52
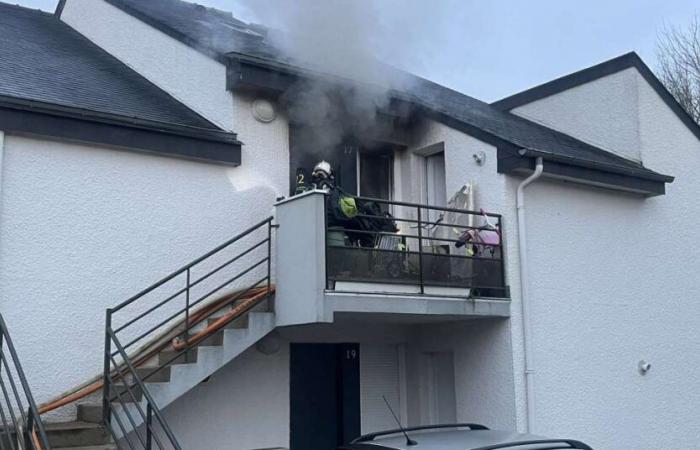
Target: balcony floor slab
x,y
412,308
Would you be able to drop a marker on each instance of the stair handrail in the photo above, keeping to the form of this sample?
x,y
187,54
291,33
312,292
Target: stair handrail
x,y
184,268
35,436
152,408
132,383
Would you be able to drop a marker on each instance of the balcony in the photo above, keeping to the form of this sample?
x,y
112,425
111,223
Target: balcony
x,y
394,260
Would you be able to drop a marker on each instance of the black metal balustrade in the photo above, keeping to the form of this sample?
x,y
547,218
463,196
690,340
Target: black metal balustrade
x,y
22,428
431,247
181,298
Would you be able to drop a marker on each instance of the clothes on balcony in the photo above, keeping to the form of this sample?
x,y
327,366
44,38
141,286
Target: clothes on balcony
x,y
464,200
480,242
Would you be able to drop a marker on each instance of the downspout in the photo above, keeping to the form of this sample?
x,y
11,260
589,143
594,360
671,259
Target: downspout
x,y
524,296
2,159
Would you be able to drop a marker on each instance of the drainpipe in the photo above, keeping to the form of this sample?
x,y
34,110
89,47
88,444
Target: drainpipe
x,y
2,158
524,296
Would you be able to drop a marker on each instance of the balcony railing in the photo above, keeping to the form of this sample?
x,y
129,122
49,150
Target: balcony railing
x,y
428,247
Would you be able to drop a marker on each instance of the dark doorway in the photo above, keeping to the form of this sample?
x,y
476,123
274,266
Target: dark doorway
x,y
305,152
376,175
324,395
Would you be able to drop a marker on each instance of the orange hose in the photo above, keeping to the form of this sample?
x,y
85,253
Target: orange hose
x,y
219,323
257,295
200,315
75,396
35,440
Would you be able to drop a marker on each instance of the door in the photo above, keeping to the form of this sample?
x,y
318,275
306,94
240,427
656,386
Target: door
x,y
324,395
438,399
380,379
376,170
435,184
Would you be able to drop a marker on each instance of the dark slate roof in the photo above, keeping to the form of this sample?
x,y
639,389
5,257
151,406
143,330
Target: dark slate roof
x,y
218,34
592,73
46,61
521,132
211,31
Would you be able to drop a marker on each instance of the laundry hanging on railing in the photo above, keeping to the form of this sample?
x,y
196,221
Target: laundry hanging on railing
x,y
462,200
483,241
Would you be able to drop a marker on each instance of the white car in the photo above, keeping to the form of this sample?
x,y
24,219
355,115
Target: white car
x,y
458,437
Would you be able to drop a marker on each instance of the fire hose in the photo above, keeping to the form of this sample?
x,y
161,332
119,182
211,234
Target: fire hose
x,y
159,343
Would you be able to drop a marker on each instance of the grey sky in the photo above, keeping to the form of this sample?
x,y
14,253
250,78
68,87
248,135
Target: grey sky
x,y
490,49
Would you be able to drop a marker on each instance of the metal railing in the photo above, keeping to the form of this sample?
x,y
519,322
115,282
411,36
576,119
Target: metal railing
x,y
402,243
174,305
22,428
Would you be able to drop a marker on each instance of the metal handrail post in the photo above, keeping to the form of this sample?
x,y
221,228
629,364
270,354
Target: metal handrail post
x,y
269,255
420,250
106,411
149,424
187,311
502,255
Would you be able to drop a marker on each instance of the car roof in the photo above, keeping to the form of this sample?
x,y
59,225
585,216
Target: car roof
x,y
458,440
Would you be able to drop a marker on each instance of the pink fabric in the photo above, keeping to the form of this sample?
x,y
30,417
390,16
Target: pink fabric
x,y
490,237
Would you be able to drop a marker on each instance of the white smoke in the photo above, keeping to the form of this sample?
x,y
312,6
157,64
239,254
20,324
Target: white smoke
x,y
353,39
340,37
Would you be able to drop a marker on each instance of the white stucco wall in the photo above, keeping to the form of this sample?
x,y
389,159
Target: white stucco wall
x,y
243,406
186,74
614,282
613,275
483,368
84,228
494,193
602,112
246,405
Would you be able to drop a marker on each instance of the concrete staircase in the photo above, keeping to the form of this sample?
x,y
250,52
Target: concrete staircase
x,y
79,435
209,356
169,383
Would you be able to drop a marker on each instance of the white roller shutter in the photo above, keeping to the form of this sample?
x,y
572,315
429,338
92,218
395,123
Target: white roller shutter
x,y
379,375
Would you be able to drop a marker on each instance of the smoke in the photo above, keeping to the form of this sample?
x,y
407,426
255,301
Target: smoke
x,y
340,37
353,39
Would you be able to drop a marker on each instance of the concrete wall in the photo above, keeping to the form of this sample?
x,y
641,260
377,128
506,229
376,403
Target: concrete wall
x,y
494,193
188,75
246,406
191,77
243,406
301,251
613,275
483,370
614,282
84,228
602,112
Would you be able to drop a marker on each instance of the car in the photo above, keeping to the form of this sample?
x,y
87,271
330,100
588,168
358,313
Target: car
x,y
464,436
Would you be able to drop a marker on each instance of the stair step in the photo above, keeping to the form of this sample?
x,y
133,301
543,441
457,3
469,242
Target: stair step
x,y
203,361
162,376
239,323
94,447
190,357
213,340
124,396
263,306
77,434
90,412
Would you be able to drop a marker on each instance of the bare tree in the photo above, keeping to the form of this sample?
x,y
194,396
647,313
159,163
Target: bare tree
x,y
678,52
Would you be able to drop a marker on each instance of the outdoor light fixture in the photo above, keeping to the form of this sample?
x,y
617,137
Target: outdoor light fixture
x,y
643,367
263,110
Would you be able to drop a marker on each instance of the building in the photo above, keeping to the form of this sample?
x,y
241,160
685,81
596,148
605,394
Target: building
x,y
137,136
